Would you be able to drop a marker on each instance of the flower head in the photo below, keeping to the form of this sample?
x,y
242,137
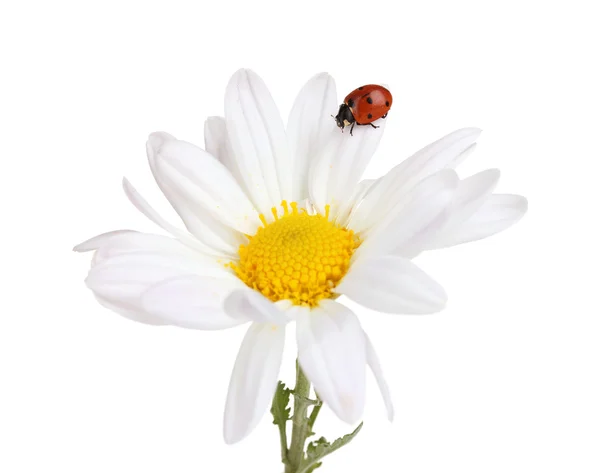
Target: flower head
x,y
299,257
278,225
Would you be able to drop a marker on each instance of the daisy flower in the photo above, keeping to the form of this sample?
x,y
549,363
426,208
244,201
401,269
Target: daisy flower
x,y
278,225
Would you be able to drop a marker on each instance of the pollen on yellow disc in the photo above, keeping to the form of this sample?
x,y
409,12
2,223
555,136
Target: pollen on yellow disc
x,y
298,257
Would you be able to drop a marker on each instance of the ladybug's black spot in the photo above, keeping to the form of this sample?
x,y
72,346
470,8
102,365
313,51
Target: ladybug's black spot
x,y
360,88
387,103
350,103
369,116
369,100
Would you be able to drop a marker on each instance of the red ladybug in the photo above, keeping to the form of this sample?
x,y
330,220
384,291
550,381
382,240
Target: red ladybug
x,y
363,106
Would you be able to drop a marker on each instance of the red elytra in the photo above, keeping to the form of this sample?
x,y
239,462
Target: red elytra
x,y
363,106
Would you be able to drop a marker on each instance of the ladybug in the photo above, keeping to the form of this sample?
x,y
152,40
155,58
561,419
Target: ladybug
x,y
363,106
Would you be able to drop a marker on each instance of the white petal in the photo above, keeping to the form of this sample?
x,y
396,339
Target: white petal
x,y
132,242
337,170
96,242
130,312
121,275
144,207
394,285
318,177
253,380
496,214
374,364
360,192
215,138
331,352
148,268
191,301
258,141
293,312
472,193
362,189
442,154
447,152
247,304
218,144
217,236
412,219
204,182
309,128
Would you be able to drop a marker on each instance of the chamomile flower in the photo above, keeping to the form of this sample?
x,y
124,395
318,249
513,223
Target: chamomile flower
x,y
278,224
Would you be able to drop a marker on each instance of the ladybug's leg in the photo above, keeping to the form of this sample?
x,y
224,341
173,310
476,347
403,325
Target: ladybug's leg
x,y
373,125
352,128
384,116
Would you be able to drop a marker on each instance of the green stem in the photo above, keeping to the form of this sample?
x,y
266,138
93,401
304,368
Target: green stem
x,y
295,458
300,428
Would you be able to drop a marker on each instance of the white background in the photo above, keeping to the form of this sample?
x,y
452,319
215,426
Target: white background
x,y
505,380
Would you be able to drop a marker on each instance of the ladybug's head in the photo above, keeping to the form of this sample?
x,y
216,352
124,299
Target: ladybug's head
x,y
344,117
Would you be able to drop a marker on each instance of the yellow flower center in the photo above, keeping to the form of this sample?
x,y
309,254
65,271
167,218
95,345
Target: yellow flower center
x,y
298,257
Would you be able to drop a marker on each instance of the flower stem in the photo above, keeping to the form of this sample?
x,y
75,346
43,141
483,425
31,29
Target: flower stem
x,y
300,427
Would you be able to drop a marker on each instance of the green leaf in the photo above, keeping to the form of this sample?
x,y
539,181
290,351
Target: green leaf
x,y
314,467
281,414
317,446
280,410
320,448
